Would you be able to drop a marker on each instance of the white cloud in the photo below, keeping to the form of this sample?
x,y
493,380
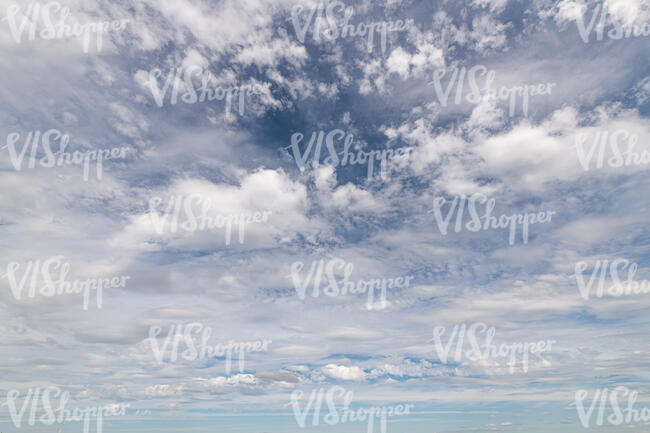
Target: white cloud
x,y
342,372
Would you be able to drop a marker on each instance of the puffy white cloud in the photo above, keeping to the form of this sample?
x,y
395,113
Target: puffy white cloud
x,y
561,149
270,191
342,372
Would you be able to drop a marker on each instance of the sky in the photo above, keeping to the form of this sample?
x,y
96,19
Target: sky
x,y
198,202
